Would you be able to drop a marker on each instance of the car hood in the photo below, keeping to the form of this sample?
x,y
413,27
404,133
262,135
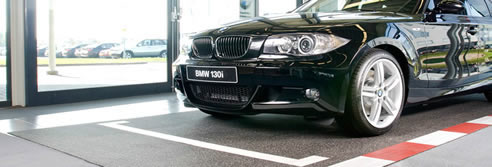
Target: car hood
x,y
304,22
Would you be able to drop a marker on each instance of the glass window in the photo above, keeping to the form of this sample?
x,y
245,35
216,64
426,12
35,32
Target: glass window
x,y
403,6
158,42
478,8
489,4
270,7
147,43
3,50
200,15
96,43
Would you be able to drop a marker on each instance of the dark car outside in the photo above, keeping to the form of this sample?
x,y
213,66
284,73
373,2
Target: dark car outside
x,y
92,51
42,51
360,65
70,52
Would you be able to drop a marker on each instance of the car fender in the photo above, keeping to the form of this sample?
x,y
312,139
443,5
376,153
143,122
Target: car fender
x,y
410,56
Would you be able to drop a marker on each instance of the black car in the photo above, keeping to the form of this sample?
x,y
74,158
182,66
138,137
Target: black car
x,y
92,51
42,51
70,52
360,64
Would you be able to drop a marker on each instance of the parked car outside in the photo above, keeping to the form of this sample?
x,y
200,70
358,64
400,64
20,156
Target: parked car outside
x,y
147,48
360,65
59,53
104,54
116,52
92,51
42,51
70,51
3,51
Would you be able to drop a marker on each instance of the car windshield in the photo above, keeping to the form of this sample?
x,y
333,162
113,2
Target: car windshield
x,y
400,6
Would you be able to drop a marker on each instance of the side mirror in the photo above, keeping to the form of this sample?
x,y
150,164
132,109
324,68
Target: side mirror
x,y
450,7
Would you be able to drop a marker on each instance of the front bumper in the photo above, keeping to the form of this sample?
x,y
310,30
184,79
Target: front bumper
x,y
275,89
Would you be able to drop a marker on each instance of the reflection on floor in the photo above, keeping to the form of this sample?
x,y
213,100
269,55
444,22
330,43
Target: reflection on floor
x,y
3,81
93,76
76,129
89,112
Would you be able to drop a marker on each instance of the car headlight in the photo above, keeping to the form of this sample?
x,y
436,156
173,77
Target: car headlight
x,y
303,44
186,45
184,53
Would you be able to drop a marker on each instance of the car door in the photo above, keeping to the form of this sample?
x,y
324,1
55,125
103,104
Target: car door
x,y
157,47
143,48
451,49
485,62
479,17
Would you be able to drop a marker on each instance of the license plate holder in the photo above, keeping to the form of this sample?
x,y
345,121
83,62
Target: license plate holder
x,y
214,74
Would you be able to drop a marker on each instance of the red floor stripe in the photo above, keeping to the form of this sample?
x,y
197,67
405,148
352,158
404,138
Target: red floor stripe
x,y
466,128
400,151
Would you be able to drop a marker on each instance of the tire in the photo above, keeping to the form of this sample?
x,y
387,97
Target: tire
x,y
219,115
163,54
127,55
488,95
96,55
374,105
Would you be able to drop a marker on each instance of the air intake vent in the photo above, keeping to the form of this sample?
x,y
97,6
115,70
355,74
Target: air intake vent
x,y
222,94
203,48
232,47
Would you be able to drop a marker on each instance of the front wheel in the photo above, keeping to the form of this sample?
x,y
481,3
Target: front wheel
x,y
127,55
376,95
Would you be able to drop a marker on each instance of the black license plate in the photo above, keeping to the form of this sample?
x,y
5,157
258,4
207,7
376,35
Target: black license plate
x,y
212,74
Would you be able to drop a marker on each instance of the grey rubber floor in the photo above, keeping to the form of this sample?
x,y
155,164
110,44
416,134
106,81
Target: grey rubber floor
x,y
473,150
16,152
288,136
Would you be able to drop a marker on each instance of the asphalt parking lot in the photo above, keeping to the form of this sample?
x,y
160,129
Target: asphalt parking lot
x,y
157,131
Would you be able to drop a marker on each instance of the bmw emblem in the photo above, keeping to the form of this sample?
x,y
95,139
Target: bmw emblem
x,y
222,30
380,93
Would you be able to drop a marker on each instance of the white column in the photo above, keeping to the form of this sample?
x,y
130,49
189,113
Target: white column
x,y
17,53
52,42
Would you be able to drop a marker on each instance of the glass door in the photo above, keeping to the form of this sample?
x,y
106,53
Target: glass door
x,y
94,49
198,15
4,63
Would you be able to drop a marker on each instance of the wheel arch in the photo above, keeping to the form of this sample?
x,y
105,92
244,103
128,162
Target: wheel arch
x,y
400,57
129,51
407,59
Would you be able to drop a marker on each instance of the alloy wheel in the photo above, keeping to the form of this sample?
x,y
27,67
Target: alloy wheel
x,y
381,93
127,55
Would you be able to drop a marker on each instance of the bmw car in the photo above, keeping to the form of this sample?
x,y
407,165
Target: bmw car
x,y
358,61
